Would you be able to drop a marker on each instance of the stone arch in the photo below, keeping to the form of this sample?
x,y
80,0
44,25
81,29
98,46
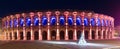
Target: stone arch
x,y
36,35
62,35
44,35
93,34
70,34
15,35
99,35
86,34
53,35
21,36
78,34
28,35
104,34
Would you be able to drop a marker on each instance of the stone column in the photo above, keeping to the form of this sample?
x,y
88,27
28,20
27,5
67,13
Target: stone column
x,y
48,33
90,31
90,34
8,36
57,13
18,35
96,33
32,34
40,33
58,34
5,36
106,33
24,33
39,14
13,36
75,32
101,34
66,32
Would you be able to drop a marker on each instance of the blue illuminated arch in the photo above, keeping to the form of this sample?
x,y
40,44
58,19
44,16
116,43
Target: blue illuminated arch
x,y
99,24
28,21
10,23
53,20
78,21
36,21
92,20
15,23
85,21
44,20
70,20
21,21
62,20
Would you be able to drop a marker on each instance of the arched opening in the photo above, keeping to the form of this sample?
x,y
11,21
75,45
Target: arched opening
x,y
53,35
28,35
93,34
21,35
99,35
103,34
86,34
10,36
36,35
15,35
70,34
78,34
62,35
44,35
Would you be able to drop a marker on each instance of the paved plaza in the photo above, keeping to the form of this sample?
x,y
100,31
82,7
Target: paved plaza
x,y
92,44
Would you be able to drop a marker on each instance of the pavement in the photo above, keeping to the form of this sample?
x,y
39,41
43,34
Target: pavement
x,y
91,44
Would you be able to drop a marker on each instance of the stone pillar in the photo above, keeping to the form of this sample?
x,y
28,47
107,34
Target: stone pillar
x,y
58,35
5,36
96,33
66,33
90,34
18,35
96,23
39,14
8,36
101,34
57,13
40,34
13,36
75,32
48,34
90,31
106,33
24,34
75,35
32,34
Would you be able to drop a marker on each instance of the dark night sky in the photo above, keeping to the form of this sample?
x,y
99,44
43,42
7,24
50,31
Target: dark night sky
x,y
108,7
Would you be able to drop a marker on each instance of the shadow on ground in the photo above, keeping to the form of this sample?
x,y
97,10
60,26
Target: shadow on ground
x,y
27,45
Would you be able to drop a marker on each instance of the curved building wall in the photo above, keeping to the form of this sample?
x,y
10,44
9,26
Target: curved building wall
x,y
57,25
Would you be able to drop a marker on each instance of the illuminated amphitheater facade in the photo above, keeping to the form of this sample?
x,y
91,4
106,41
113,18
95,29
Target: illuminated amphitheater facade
x,y
57,25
